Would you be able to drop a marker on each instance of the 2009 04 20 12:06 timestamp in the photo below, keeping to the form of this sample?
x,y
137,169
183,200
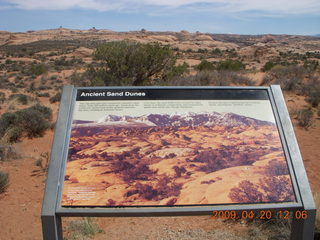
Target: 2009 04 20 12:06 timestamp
x,y
261,214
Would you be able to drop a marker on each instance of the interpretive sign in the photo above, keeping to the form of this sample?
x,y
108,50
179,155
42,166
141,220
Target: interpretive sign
x,y
175,151
224,148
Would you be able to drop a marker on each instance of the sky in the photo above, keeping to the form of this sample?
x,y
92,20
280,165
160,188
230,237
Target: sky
x,y
301,17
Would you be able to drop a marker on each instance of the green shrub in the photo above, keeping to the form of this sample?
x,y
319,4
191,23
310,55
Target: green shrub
x,y
31,122
202,50
216,52
304,117
205,66
4,181
21,98
132,63
38,69
55,98
266,67
231,65
177,71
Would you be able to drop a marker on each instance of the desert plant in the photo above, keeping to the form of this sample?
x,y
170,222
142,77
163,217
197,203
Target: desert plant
x,y
230,65
38,69
43,161
267,66
4,181
304,117
7,152
132,63
32,122
83,228
43,94
55,98
205,65
289,77
313,96
216,52
21,98
216,78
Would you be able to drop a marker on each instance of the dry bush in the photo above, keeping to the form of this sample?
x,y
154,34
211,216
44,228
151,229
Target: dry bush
x,y
273,229
290,78
312,91
55,98
20,98
82,229
215,78
7,152
304,117
277,168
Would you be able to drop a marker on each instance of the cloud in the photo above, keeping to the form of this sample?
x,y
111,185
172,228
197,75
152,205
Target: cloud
x,y
271,7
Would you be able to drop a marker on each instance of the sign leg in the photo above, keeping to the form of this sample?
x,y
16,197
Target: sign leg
x,y
303,229
51,228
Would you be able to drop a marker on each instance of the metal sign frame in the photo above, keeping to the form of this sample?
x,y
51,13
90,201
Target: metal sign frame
x,y
52,212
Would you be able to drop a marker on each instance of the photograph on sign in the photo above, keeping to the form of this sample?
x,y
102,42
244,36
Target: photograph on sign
x,y
175,153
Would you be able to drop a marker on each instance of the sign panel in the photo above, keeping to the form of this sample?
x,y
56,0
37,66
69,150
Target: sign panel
x,y
174,147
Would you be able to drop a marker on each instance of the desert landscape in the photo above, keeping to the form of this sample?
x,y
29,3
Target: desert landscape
x,y
34,66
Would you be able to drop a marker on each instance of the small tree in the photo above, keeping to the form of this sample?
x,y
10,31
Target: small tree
x,y
132,63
